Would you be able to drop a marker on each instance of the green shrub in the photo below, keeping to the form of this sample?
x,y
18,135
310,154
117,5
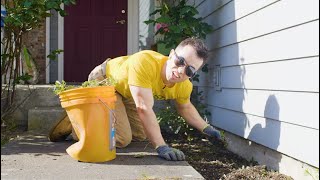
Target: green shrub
x,y
178,21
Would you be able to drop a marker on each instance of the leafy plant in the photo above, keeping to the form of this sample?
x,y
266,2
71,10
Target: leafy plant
x,y
22,16
94,83
177,21
171,122
53,54
59,87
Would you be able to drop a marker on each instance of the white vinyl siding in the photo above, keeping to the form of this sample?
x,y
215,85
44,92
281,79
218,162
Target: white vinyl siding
x,y
253,102
290,139
268,53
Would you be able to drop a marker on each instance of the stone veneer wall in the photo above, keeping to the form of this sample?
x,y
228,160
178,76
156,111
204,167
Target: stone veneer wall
x,y
35,40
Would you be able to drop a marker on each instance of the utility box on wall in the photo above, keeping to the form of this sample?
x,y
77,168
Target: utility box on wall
x,y
217,77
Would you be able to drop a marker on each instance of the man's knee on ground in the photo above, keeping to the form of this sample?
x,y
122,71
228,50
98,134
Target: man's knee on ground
x,y
139,138
122,142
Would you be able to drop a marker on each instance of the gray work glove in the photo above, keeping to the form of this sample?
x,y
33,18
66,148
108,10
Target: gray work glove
x,y
214,135
212,132
170,154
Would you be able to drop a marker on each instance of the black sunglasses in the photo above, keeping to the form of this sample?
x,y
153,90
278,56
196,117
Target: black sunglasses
x,y
180,62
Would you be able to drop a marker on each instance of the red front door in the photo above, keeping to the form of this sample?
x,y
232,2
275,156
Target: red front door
x,y
93,31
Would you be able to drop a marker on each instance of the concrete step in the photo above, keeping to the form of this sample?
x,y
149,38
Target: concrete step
x,y
30,97
37,95
42,119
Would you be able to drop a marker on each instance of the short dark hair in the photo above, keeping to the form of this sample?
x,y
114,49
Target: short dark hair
x,y
198,45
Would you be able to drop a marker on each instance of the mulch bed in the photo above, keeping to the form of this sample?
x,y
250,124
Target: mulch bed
x,y
214,161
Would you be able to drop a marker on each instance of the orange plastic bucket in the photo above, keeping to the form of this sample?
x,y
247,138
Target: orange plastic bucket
x,y
90,111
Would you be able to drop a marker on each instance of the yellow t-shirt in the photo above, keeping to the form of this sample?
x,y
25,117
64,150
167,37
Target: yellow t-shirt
x,y
143,69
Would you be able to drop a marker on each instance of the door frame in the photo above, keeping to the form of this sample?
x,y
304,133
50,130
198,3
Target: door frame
x,y
132,32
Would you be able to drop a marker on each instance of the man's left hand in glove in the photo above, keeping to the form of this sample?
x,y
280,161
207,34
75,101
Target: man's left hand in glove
x,y
214,134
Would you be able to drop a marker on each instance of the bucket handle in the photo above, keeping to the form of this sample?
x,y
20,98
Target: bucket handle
x,y
114,115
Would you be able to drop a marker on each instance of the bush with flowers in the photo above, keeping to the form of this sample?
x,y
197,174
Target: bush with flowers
x,y
176,21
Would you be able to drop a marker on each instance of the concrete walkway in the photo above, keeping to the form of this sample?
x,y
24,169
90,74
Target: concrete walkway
x,y
34,157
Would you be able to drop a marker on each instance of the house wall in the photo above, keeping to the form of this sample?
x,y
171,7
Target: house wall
x,y
263,82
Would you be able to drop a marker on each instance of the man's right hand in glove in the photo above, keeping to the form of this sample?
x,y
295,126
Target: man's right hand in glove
x,y
170,154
